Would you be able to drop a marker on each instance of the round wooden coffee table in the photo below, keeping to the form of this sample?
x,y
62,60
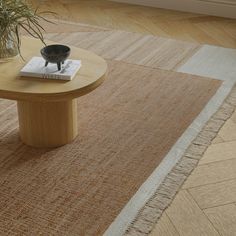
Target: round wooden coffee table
x,y
47,109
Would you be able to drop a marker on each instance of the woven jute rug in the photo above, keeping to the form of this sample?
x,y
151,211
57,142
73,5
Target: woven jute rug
x,y
140,135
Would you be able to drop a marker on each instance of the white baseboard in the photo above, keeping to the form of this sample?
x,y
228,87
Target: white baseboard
x,y
223,8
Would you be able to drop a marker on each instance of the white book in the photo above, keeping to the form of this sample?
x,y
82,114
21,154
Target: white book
x,y
36,68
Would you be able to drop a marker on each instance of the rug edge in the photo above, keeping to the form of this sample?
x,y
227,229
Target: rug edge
x,y
141,224
144,209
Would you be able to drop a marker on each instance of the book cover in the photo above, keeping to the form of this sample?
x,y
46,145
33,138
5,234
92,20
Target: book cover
x,y
36,68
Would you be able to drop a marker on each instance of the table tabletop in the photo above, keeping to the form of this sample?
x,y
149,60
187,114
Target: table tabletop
x,y
91,74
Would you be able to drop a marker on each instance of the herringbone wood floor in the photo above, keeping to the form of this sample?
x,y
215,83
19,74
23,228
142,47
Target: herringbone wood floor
x,y
206,204
207,201
174,24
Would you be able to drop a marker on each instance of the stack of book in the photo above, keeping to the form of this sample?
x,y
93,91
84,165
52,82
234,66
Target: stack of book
x,y
36,68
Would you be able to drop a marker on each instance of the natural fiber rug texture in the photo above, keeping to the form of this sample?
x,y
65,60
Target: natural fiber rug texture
x,y
126,128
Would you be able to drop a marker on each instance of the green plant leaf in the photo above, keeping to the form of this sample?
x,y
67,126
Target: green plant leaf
x,y
16,14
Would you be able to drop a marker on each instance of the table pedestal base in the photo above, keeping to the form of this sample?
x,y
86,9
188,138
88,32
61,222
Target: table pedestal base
x,y
47,124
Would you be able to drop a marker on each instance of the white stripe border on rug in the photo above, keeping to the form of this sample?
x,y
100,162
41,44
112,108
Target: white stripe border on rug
x,y
149,187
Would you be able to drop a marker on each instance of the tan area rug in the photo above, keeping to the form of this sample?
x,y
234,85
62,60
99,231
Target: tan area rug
x,y
126,128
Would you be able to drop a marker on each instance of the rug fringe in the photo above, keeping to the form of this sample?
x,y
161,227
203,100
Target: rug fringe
x,y
148,216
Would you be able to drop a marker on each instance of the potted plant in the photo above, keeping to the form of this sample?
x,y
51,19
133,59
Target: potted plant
x,y
16,15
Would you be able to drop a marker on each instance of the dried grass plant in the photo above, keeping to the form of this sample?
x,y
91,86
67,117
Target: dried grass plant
x,y
16,14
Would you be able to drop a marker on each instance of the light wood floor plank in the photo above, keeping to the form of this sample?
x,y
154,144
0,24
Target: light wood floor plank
x,y
223,218
228,131
188,218
173,24
219,152
164,227
217,139
215,194
212,173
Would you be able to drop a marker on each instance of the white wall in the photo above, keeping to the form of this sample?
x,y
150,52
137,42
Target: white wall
x,y
224,8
